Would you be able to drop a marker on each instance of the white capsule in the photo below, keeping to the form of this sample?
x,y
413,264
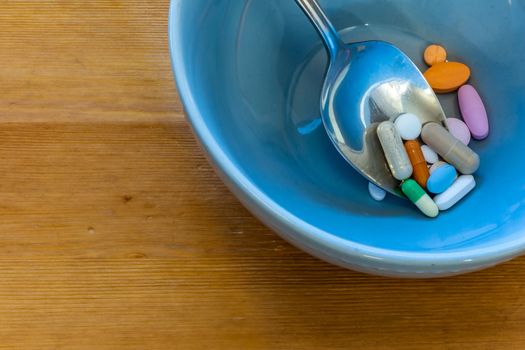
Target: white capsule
x,y
430,156
395,153
459,189
408,126
376,192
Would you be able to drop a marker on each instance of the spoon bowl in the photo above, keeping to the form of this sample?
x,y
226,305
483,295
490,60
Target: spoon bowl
x,y
367,83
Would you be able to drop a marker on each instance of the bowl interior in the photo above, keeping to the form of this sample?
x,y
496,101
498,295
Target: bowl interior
x,y
255,69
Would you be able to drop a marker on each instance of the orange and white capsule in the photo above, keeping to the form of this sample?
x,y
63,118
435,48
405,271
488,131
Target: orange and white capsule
x,y
419,164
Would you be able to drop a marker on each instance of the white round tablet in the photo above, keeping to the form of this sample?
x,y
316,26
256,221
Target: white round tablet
x,y
436,166
430,156
408,126
376,192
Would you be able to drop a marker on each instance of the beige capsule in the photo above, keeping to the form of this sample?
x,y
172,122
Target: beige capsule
x,y
464,159
395,153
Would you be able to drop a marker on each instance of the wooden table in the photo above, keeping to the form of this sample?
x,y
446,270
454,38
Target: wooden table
x,y
115,233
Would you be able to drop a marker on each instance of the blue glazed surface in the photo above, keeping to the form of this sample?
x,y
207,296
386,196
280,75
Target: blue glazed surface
x,y
250,74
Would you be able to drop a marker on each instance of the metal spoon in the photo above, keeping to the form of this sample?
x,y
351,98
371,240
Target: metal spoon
x,y
367,83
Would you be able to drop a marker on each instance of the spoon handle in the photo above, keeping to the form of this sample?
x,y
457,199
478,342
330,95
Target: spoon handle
x,y
313,10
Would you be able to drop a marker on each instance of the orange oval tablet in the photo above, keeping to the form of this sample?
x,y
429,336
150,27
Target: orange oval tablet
x,y
447,76
435,54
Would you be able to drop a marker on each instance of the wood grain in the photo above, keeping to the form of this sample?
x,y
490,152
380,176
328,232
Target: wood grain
x,y
116,234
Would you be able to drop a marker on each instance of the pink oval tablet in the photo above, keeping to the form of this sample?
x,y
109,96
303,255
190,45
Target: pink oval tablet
x,y
473,112
459,129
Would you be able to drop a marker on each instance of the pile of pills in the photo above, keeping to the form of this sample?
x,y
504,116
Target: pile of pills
x,y
434,165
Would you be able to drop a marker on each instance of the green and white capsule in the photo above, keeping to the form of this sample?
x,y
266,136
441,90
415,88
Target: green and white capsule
x,y
420,198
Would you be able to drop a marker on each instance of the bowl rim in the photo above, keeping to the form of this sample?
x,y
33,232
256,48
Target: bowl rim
x,y
297,230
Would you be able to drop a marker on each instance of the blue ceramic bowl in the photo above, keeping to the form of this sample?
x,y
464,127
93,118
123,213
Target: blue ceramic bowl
x,y
249,74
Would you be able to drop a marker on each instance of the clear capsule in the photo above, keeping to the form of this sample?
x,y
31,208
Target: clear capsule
x,y
395,153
